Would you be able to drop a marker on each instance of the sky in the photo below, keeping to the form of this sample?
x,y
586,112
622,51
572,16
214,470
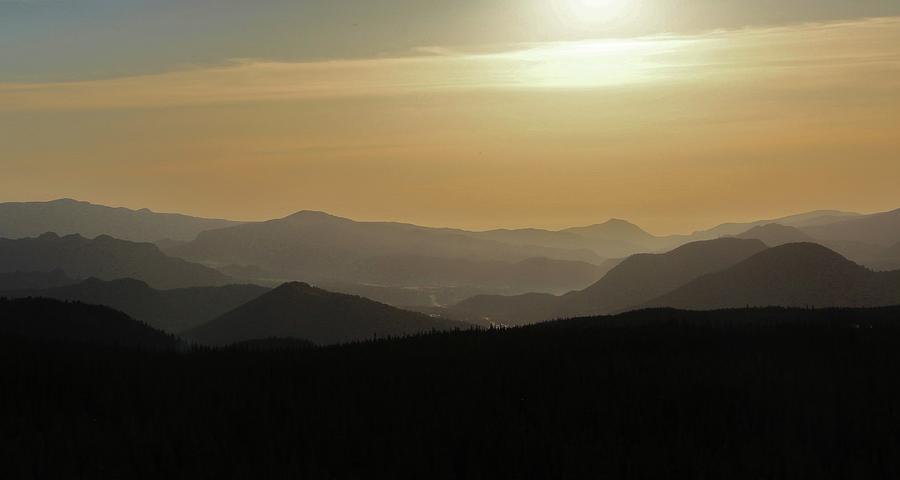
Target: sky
x,y
674,114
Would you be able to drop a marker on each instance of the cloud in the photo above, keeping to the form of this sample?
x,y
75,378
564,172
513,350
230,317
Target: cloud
x,y
817,53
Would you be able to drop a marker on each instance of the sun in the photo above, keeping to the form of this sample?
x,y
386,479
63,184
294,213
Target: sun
x,y
595,13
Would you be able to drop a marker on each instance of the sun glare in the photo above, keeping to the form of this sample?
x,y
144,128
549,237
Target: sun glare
x,y
594,63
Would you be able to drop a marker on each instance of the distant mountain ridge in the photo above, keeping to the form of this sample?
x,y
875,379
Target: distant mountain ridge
x,y
106,258
637,279
792,275
775,234
67,216
298,310
613,239
881,229
317,247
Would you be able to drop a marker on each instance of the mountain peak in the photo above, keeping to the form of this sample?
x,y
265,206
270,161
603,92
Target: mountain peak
x,y
312,215
613,228
619,222
299,310
791,275
293,286
808,253
68,201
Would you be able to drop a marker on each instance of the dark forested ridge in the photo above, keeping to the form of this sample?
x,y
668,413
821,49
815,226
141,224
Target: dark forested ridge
x,y
52,322
739,394
300,310
173,311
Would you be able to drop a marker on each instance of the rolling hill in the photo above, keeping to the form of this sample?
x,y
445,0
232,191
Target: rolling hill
x,y
66,217
298,310
46,320
172,311
106,258
318,247
636,280
612,239
793,275
882,229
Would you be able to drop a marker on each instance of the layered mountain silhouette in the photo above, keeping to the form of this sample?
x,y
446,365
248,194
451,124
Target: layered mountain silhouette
x,y
613,239
106,258
315,246
636,280
172,311
66,216
533,274
46,320
298,310
801,221
775,234
881,229
645,276
793,275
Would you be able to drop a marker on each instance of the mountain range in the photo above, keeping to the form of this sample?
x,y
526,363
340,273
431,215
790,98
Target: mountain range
x,y
106,258
793,275
67,216
636,280
510,277
317,247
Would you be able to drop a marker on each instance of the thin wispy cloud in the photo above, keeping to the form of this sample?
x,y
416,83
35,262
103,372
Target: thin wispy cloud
x,y
800,52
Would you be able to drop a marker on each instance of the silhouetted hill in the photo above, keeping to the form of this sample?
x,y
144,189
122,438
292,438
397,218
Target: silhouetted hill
x,y
20,220
299,310
34,280
49,320
106,258
636,280
744,394
793,275
881,229
318,247
645,276
172,311
774,235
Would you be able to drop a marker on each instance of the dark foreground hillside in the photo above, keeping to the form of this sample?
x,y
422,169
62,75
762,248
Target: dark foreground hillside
x,y
743,394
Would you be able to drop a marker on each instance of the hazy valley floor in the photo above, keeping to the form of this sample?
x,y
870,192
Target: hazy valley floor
x,y
744,394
